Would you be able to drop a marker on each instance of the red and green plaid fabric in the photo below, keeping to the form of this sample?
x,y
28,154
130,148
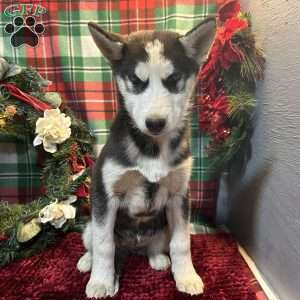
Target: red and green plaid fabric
x,y
67,55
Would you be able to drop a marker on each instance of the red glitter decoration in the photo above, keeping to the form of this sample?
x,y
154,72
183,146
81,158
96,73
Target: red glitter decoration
x,y
213,99
228,9
53,274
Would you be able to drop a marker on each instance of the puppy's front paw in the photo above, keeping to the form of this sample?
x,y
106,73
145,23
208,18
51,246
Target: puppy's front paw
x,y
98,289
190,283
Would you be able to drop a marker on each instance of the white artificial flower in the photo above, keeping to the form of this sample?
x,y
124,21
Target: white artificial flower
x,y
8,70
57,213
52,129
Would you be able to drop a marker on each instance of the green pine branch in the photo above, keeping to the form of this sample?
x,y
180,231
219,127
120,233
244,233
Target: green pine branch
x,y
253,64
237,145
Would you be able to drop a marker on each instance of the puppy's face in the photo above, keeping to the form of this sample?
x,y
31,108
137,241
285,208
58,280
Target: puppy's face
x,y
155,72
156,78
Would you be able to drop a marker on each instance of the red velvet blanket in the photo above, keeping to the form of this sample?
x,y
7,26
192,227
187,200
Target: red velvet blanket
x,y
52,275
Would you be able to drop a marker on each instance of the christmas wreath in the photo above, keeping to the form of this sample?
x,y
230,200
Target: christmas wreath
x,y
27,110
226,107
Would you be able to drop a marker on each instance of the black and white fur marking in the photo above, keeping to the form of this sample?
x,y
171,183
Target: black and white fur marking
x,y
140,181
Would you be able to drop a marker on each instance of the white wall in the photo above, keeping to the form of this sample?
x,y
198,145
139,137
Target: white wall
x,y
263,208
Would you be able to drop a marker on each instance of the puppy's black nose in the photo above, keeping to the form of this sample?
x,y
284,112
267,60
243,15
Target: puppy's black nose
x,y
155,125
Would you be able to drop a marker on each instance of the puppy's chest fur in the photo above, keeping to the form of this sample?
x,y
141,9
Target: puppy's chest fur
x,y
142,211
140,197
143,198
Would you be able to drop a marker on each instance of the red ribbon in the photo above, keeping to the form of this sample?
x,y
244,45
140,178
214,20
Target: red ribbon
x,y
24,97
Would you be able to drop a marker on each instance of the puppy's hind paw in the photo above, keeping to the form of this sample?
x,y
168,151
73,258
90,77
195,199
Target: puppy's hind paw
x,y
159,262
84,264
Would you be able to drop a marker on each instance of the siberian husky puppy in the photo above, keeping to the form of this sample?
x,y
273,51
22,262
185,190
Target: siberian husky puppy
x,y
140,180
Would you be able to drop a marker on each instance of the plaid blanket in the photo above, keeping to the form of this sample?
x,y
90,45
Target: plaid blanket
x,y
66,55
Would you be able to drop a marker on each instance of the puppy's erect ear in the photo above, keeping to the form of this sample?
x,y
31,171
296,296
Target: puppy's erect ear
x,y
110,44
198,41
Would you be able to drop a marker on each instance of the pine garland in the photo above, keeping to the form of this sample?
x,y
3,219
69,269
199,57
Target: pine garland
x,y
9,215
